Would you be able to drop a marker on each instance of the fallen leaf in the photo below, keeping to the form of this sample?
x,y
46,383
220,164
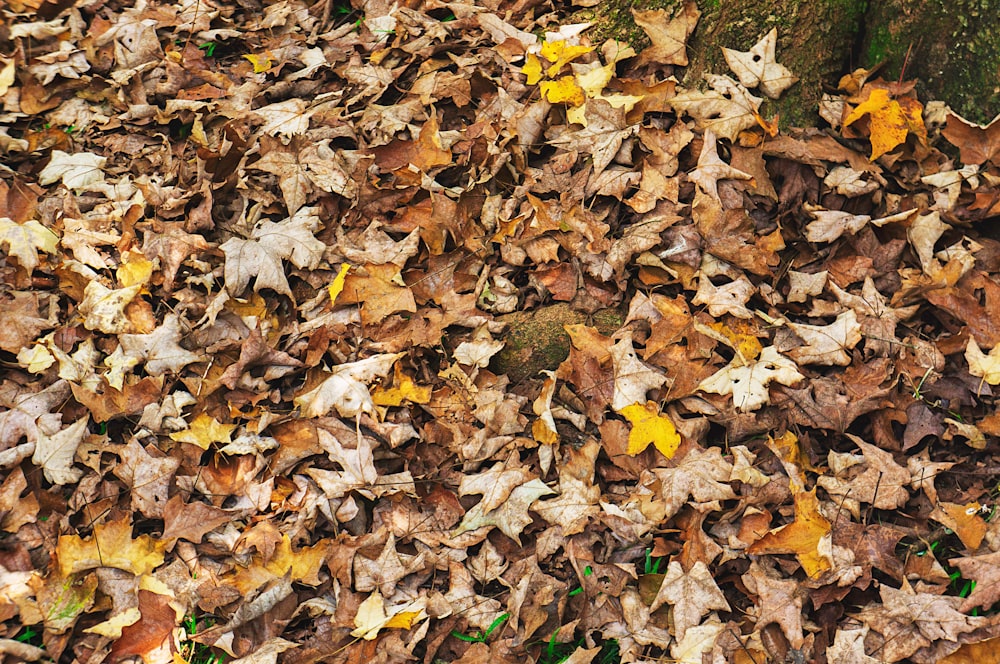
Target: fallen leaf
x,y
808,537
649,426
891,120
669,35
757,67
748,383
24,241
692,595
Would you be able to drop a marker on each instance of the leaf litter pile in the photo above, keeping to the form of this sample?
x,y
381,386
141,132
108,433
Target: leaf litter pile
x,y
259,403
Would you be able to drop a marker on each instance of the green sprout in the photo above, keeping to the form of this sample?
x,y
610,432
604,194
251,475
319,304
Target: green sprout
x,y
209,48
481,637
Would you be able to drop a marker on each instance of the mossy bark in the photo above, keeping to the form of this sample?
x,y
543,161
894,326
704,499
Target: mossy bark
x,y
953,45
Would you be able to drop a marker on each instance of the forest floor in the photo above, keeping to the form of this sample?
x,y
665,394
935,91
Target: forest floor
x,y
262,398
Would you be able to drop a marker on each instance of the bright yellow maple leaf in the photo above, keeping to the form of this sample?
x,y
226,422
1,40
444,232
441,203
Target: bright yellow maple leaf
x,y
649,426
891,120
135,269
532,69
563,89
261,63
205,430
560,53
403,389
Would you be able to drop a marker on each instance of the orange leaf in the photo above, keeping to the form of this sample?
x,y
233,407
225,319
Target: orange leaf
x,y
808,537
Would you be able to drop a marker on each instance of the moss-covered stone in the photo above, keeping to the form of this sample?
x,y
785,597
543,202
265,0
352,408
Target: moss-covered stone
x,y
537,339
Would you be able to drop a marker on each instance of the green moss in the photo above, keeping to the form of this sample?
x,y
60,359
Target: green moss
x,y
537,340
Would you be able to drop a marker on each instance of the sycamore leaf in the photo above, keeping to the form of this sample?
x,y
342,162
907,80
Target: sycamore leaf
x,y
984,366
24,241
748,383
260,257
757,67
373,616
891,120
649,426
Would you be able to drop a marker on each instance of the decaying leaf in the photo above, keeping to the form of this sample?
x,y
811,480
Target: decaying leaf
x,y
748,382
757,67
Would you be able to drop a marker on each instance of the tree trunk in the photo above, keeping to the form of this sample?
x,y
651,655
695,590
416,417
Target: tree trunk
x,y
951,46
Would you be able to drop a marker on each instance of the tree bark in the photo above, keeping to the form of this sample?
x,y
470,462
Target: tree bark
x,y
952,47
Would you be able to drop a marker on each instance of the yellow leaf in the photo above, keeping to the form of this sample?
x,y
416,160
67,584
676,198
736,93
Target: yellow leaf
x,y
24,240
135,269
110,546
559,53
649,426
405,619
261,63
808,536
532,69
35,359
985,366
338,283
373,616
891,120
596,79
205,430
403,389
564,89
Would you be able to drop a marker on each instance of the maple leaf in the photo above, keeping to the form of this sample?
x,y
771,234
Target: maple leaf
x,y
727,108
779,601
748,382
826,344
669,36
908,620
891,120
511,516
203,431
984,570
104,308
649,426
160,349
111,545
808,536
757,67
24,241
76,171
692,594
346,388
260,257
977,144
702,475
984,366
711,168
633,378
55,453
882,483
